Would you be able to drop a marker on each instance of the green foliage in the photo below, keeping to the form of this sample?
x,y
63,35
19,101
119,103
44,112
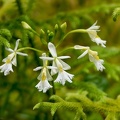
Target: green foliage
x,y
92,95
116,13
5,36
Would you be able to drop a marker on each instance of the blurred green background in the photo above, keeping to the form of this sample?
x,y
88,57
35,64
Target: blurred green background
x,y
18,94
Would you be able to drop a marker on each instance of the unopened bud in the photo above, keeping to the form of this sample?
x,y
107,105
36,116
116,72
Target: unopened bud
x,y
42,33
56,28
25,25
50,35
63,26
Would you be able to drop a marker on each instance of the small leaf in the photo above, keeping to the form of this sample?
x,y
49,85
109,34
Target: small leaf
x,y
53,110
36,106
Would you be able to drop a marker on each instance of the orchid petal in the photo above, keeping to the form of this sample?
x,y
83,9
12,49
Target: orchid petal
x,y
16,46
9,49
48,75
94,26
37,68
43,86
63,57
83,54
46,58
65,65
51,67
80,47
54,71
52,49
14,61
22,54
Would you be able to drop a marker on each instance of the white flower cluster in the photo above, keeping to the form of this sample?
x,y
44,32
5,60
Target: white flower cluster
x,y
93,55
58,66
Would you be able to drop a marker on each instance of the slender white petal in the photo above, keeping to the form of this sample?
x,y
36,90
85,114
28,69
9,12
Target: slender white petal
x,y
83,54
51,67
48,75
44,61
39,76
63,57
10,56
38,68
94,26
91,57
80,47
9,49
92,34
22,54
54,71
16,46
43,86
65,65
46,58
14,61
52,49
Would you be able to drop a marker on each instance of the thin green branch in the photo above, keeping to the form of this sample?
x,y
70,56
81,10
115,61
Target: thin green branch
x,y
73,31
29,48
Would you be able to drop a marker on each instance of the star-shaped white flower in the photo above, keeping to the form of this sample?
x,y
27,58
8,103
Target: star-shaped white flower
x,y
92,32
44,76
61,65
11,59
93,56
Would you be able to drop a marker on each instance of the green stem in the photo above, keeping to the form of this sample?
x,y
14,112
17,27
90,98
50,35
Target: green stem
x,y
64,50
20,8
73,31
29,48
53,88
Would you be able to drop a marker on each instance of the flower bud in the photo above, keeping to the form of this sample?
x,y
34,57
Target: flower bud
x,y
25,25
63,26
56,28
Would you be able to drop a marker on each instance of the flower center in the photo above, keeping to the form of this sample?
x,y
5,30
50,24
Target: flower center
x,y
94,54
59,65
43,75
8,61
60,68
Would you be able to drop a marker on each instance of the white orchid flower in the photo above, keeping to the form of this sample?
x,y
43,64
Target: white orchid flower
x,y
61,65
92,32
44,76
93,56
11,59
13,55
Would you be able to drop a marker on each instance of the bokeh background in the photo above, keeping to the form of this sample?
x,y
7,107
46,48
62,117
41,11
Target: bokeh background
x,y
18,94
